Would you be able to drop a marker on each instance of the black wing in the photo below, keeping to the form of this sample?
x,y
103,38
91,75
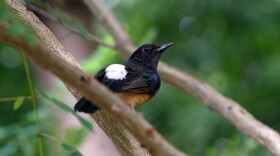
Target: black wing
x,y
136,81
100,75
83,105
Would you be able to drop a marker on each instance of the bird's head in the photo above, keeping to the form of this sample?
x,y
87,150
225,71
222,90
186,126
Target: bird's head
x,y
148,54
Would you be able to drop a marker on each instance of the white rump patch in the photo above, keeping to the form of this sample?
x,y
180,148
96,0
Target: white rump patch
x,y
116,72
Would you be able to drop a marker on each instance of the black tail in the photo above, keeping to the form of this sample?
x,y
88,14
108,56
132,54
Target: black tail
x,y
85,106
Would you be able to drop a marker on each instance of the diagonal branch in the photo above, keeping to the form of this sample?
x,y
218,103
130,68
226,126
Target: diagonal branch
x,y
123,140
103,97
90,37
224,106
229,109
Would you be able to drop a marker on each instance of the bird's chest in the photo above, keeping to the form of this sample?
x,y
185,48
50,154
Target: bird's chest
x,y
135,99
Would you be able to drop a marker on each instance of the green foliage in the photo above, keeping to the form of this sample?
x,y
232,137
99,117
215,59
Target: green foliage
x,y
18,103
4,13
75,136
16,28
236,145
72,150
20,138
99,59
232,45
68,109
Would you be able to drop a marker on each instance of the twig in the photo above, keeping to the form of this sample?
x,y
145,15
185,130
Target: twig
x,y
34,101
122,139
87,35
228,108
15,98
49,137
102,96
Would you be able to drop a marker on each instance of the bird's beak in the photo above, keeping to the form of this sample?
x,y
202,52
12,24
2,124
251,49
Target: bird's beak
x,y
164,47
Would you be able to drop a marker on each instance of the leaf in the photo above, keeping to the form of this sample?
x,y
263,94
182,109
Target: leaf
x,y
76,153
4,13
73,151
16,29
57,102
18,103
62,105
66,108
84,122
75,135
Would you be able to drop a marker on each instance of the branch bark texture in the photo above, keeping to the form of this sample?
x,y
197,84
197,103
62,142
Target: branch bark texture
x,y
229,109
125,143
224,106
102,96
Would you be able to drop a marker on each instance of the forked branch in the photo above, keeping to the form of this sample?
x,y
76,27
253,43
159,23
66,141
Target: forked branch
x,y
102,96
224,106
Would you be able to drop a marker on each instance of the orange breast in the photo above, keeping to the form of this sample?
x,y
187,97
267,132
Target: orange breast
x,y
135,99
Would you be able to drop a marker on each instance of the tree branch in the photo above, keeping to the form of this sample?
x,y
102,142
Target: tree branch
x,y
123,140
226,107
229,109
102,96
90,37
125,143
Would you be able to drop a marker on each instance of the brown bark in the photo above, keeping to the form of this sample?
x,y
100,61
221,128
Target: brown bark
x,y
123,140
224,106
103,97
227,108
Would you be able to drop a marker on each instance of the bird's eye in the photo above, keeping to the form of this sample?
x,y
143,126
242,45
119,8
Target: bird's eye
x,y
146,49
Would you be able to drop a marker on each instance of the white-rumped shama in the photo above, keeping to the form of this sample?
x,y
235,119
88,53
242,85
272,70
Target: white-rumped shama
x,y
135,81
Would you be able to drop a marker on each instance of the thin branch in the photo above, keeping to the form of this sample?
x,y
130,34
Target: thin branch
x,y
49,137
15,98
125,143
113,26
102,96
224,106
34,101
90,37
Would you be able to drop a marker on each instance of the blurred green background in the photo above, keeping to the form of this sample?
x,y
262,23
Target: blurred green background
x,y
231,45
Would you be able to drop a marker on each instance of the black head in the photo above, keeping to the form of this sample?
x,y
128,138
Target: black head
x,y
148,54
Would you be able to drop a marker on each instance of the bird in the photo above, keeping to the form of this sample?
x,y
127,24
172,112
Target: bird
x,y
136,81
